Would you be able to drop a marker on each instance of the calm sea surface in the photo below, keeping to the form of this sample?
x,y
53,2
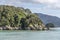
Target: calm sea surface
x,y
53,34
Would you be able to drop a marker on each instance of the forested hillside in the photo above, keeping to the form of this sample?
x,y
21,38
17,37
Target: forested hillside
x,y
19,18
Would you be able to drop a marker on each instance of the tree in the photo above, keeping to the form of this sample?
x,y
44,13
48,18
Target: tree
x,y
23,23
28,11
50,25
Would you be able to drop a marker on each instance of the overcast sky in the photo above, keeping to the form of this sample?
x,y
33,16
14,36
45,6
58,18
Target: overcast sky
x,y
50,7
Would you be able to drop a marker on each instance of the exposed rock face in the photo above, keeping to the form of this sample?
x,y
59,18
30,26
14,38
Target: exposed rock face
x,y
36,27
31,27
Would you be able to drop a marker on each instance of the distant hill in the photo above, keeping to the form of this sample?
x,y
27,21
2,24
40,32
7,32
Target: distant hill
x,y
49,19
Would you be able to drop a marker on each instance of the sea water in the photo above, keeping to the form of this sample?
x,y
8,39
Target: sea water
x,y
53,34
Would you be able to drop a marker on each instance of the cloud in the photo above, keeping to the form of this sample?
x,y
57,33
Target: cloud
x,y
49,3
46,1
9,2
54,4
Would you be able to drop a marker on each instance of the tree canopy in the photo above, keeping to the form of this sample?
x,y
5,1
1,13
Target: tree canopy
x,y
17,17
50,25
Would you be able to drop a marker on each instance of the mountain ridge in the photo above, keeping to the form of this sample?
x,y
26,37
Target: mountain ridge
x,y
49,19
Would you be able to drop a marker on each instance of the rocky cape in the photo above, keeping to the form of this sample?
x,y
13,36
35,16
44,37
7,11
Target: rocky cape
x,y
18,18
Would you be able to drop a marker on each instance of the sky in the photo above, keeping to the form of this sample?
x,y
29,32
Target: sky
x,y
50,7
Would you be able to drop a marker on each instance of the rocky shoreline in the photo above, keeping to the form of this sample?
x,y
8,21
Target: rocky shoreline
x,y
16,18
19,28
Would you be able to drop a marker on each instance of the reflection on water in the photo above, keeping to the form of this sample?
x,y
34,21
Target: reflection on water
x,y
52,34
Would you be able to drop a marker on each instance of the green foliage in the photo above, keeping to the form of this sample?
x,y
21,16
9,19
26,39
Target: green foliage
x,y
50,25
30,19
17,17
28,11
10,15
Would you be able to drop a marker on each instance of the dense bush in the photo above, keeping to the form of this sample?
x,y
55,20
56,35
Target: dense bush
x,y
50,25
17,17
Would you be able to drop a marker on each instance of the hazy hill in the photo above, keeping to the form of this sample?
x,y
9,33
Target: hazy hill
x,y
49,19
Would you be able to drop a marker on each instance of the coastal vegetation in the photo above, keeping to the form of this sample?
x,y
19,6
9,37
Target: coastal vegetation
x,y
18,18
51,25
